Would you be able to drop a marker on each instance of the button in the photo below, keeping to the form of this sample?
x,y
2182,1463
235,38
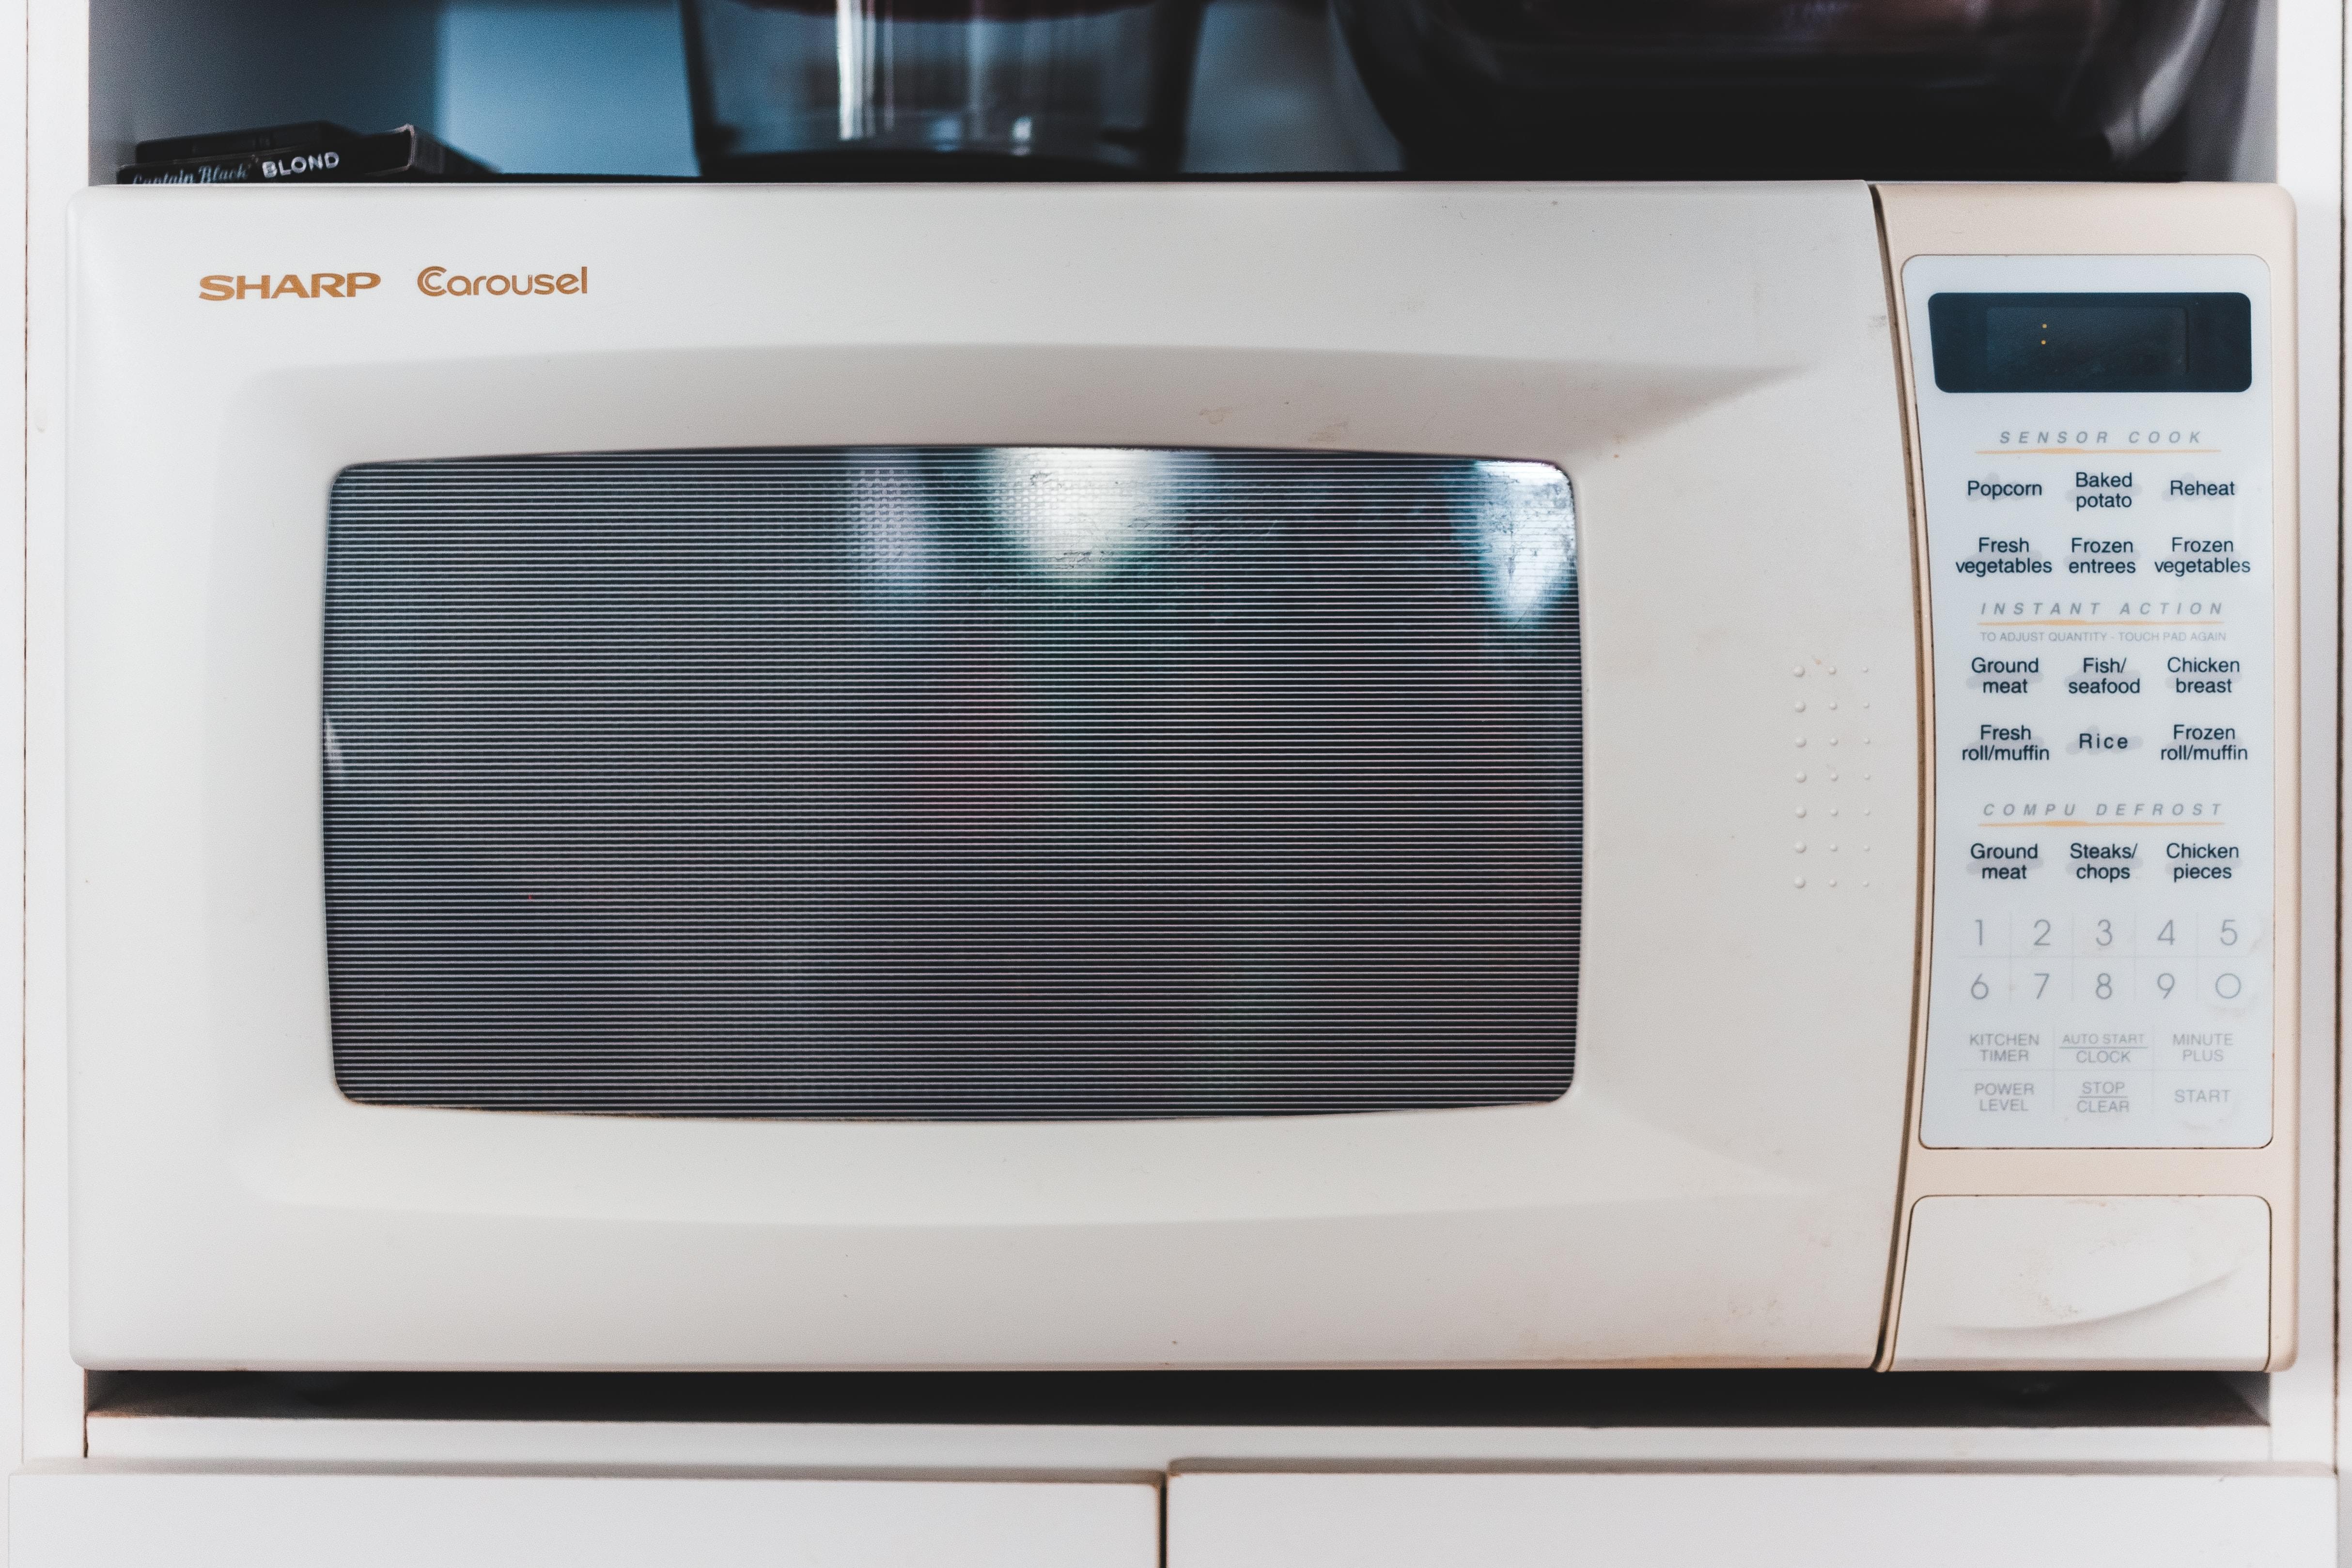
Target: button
x,y
2020,1048
1994,1107
2105,1051
2210,1101
2207,1051
2106,1107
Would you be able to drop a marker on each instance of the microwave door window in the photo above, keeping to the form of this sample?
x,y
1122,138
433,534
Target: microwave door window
x,y
953,783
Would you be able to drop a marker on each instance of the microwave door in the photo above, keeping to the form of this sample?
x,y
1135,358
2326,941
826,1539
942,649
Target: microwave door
x,y
1245,776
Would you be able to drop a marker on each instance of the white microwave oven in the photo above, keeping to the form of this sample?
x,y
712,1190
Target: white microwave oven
x,y
1277,775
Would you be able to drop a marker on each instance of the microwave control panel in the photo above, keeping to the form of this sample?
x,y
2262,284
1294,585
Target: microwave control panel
x,y
2096,449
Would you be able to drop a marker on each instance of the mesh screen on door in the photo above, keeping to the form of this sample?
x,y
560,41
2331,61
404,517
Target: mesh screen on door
x,y
953,783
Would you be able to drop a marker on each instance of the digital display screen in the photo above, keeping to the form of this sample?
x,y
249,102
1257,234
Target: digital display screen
x,y
2091,342
2078,341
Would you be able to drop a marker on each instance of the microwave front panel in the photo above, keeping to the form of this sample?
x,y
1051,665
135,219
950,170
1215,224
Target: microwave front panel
x,y
2095,439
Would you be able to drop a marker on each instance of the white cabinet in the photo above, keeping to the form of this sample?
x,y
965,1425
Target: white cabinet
x,y
1753,1519
89,1517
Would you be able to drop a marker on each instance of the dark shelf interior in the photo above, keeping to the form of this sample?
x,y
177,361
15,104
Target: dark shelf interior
x,y
1186,1398
599,87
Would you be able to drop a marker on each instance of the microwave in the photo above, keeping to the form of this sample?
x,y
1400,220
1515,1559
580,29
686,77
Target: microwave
x,y
1234,775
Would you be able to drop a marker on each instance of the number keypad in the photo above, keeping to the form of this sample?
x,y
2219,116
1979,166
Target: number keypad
x,y
2093,1029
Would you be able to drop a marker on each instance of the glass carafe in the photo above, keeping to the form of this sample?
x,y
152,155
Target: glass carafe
x,y
940,88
